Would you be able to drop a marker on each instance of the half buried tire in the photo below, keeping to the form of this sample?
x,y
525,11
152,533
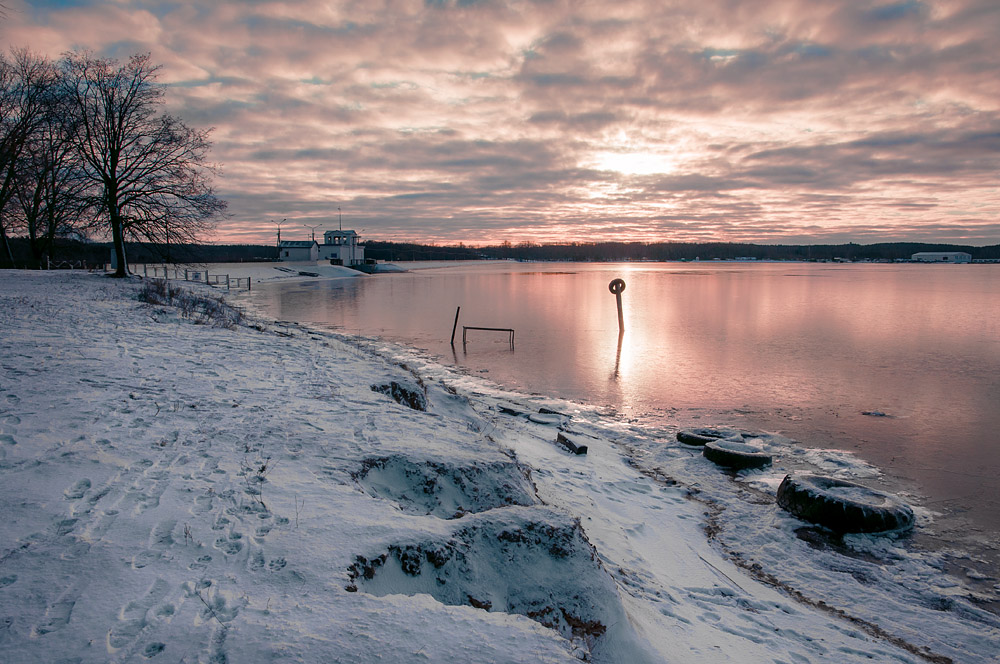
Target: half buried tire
x,y
736,455
842,506
700,436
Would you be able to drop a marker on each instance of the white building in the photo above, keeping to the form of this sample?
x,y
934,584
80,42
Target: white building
x,y
298,250
942,257
342,248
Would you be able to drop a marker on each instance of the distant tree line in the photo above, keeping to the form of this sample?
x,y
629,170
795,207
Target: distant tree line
x,y
82,252
98,252
86,149
671,251
666,251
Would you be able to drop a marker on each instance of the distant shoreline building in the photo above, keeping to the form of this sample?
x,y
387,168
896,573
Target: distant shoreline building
x,y
298,250
339,247
942,257
342,248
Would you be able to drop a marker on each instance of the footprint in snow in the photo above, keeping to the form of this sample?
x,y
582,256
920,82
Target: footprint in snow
x,y
76,491
162,534
144,558
229,547
255,561
132,618
202,504
153,649
56,616
65,526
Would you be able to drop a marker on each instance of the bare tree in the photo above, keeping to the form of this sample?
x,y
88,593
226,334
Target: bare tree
x,y
49,182
26,85
150,169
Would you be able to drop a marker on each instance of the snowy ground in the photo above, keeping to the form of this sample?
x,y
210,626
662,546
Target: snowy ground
x,y
181,492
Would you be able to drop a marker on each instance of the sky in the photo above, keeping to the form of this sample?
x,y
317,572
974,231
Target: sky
x,y
484,121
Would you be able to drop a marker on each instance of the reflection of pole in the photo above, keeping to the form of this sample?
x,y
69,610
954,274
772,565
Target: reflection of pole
x,y
616,287
618,355
455,326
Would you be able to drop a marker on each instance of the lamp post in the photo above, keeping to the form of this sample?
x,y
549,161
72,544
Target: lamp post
x,y
277,246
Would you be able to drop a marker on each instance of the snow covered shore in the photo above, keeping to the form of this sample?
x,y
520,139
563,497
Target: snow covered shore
x,y
177,491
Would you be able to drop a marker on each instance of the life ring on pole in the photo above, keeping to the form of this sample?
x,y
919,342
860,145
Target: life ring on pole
x,y
734,454
842,506
616,286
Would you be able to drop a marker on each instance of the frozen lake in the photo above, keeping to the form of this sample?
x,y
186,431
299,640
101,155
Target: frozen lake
x,y
805,350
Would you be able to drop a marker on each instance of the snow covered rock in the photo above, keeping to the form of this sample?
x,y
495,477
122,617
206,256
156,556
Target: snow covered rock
x,y
403,392
521,560
447,490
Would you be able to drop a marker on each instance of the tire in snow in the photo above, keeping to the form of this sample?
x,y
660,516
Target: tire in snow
x,y
842,506
700,436
734,454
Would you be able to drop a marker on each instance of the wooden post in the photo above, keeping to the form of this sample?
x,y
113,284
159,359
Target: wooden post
x,y
455,327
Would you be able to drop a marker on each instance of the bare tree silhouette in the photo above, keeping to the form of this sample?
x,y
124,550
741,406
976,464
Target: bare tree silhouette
x,y
149,170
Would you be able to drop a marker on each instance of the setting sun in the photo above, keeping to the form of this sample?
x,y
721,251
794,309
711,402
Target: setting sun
x,y
634,163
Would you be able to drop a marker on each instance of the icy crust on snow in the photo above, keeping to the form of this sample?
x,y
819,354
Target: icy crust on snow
x,y
180,492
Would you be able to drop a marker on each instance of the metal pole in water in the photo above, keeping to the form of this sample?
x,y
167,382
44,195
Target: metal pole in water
x,y
617,286
455,326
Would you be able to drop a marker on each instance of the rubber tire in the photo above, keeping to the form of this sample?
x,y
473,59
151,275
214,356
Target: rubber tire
x,y
699,436
735,455
813,498
549,419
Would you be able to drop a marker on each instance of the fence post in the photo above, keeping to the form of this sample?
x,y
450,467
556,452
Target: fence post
x,y
455,327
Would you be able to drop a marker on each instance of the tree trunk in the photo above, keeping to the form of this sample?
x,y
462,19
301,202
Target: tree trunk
x,y
8,254
118,237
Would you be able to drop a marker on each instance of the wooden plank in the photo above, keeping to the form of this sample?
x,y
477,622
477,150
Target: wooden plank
x,y
571,443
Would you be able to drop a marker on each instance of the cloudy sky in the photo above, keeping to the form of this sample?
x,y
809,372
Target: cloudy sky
x,y
772,121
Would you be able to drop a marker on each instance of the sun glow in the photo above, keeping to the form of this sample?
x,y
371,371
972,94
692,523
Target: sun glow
x,y
634,163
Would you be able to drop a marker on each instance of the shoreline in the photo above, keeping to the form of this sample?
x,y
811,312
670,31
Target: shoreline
x,y
135,442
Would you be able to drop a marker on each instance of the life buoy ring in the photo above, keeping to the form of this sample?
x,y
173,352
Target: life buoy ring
x,y
734,454
842,506
616,286
700,436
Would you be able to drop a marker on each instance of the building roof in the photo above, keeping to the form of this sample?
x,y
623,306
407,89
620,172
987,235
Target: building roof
x,y
296,244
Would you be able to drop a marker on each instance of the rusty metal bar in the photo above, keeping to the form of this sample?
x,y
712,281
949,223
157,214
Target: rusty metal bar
x,y
466,328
